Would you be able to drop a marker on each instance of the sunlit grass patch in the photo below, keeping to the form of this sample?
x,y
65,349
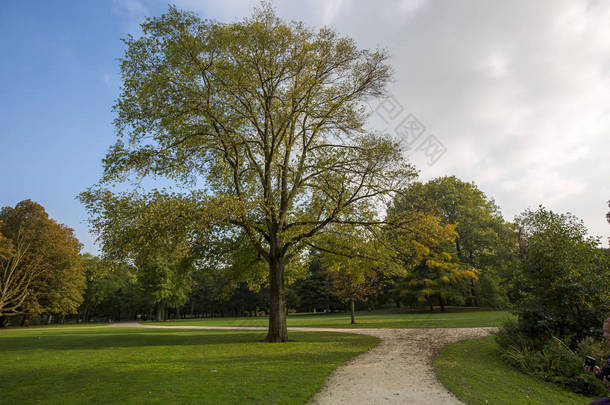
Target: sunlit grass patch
x,y
159,366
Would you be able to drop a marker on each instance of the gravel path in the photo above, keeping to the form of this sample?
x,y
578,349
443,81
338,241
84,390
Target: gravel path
x,y
397,371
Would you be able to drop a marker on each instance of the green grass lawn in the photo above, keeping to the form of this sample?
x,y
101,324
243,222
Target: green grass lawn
x,y
136,366
364,320
473,370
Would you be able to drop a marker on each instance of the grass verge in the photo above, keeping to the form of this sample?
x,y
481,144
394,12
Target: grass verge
x,y
116,366
364,320
473,370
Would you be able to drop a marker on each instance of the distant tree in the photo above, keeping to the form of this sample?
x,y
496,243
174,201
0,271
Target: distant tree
x,y
210,292
564,277
152,232
113,291
483,240
354,257
270,115
50,252
314,291
425,250
350,286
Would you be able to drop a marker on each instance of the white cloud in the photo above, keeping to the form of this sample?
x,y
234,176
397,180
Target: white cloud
x,y
518,92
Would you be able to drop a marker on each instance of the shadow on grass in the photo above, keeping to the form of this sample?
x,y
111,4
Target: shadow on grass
x,y
117,338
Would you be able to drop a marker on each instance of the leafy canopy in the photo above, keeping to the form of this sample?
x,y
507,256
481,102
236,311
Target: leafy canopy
x,y
266,116
564,277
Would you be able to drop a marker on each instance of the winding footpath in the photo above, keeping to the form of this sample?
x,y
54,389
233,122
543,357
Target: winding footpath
x,y
397,371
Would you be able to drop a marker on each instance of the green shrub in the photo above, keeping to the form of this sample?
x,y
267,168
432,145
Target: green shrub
x,y
510,336
597,348
562,279
552,361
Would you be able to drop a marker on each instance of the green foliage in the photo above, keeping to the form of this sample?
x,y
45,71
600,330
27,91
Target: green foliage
x,y
563,298
268,116
48,262
482,242
112,291
509,336
213,294
434,273
313,292
564,280
153,232
551,360
355,259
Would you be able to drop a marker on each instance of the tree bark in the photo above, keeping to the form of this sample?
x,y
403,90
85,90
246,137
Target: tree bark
x,y
351,310
160,312
472,293
49,319
278,331
474,302
440,299
3,321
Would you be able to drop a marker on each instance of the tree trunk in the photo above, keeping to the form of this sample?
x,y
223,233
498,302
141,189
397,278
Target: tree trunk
x,y
277,302
25,321
49,319
475,302
160,312
351,310
177,312
440,300
3,321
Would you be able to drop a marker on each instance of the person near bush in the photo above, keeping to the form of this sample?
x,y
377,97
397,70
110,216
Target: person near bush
x,y
598,371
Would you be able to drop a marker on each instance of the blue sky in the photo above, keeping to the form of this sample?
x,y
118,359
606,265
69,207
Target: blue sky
x,y
59,79
517,92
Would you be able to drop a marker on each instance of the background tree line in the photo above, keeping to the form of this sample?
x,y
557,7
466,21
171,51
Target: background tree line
x,y
455,249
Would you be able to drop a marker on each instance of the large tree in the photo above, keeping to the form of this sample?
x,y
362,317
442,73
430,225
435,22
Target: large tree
x,y
564,277
46,259
267,118
483,240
